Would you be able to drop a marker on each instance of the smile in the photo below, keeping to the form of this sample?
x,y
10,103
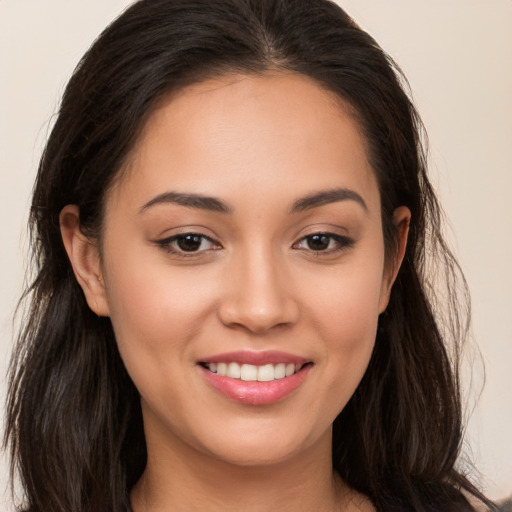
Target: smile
x,y
254,378
253,373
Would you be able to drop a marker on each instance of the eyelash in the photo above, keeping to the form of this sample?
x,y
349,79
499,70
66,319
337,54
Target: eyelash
x,y
342,243
167,244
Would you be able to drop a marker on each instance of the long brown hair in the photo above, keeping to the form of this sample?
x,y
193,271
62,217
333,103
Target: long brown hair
x,y
74,422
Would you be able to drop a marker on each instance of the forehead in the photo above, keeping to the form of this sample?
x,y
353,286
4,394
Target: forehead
x,y
249,133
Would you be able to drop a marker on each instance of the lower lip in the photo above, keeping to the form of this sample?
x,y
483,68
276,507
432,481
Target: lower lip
x,y
255,392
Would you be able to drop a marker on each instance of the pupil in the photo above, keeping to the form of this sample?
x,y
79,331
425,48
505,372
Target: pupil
x,y
189,242
318,242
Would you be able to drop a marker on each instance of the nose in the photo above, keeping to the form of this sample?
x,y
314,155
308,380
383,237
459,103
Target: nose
x,y
259,295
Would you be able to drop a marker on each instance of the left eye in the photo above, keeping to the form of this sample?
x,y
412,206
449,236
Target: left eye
x,y
188,243
323,242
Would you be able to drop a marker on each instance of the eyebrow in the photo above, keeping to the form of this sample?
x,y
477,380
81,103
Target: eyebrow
x,y
216,205
327,197
199,201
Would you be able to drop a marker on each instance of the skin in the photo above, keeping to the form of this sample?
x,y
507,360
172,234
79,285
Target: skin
x,y
258,144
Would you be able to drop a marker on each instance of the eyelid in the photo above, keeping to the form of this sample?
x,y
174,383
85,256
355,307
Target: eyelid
x,y
344,242
166,244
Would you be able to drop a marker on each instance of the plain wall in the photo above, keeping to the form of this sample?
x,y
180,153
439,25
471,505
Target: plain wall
x,y
457,55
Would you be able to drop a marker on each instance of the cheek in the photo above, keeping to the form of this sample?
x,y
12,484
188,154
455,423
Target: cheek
x,y
347,312
155,310
348,302
351,330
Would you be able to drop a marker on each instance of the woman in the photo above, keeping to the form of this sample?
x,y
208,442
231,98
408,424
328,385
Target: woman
x,y
231,220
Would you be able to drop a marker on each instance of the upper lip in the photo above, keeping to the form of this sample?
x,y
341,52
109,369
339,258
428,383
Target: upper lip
x,y
255,358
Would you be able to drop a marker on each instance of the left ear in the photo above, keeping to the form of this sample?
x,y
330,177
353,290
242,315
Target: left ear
x,y
401,220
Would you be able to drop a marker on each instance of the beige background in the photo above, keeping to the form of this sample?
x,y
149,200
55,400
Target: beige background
x,y
457,55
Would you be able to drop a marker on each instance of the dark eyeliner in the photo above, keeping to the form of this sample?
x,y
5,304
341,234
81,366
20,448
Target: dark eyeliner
x,y
166,244
343,243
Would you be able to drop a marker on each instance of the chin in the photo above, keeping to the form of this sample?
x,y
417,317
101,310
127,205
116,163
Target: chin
x,y
263,455
266,446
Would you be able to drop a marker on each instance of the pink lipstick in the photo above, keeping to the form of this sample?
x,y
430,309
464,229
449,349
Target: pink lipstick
x,y
255,378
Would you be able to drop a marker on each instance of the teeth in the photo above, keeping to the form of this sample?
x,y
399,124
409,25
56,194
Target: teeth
x,y
266,373
279,371
248,372
233,371
251,373
222,368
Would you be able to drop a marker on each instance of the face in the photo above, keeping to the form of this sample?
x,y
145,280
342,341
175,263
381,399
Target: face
x,y
243,267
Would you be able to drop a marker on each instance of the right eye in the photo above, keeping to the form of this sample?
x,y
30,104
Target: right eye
x,y
187,244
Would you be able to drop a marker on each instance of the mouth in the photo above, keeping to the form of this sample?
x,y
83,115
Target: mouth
x,y
254,373
255,378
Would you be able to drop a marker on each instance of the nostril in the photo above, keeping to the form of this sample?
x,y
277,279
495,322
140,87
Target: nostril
x,y
258,315
256,322
257,296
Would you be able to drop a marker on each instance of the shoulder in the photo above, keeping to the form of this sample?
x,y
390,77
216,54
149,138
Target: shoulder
x,y
478,506
504,506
